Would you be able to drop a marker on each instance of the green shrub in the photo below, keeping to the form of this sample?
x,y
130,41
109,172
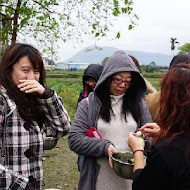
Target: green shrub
x,y
68,90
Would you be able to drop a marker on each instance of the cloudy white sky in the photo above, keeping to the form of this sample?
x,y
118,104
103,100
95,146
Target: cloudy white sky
x,y
159,20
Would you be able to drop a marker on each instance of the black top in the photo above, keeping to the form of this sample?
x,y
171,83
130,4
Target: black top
x,y
167,168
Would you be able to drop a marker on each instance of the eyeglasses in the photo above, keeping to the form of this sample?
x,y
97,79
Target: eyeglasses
x,y
120,81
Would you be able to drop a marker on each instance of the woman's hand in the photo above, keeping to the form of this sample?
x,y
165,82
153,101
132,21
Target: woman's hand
x,y
137,146
31,86
135,142
150,129
111,150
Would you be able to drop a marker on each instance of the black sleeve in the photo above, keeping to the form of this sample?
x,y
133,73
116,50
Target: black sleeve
x,y
47,93
154,175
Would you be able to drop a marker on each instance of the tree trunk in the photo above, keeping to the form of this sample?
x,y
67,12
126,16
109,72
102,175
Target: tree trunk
x,y
15,22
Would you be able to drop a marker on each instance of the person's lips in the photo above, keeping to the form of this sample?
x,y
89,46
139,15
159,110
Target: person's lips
x,y
119,91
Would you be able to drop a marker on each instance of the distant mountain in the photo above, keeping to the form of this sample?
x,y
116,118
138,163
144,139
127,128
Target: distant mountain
x,y
93,54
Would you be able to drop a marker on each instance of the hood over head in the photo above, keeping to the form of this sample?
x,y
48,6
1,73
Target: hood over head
x,y
119,62
93,70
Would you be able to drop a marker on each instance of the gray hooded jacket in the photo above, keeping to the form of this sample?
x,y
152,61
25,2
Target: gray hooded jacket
x,y
87,115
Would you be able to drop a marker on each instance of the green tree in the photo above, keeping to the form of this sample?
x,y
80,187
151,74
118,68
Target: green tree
x,y
50,20
150,68
152,64
173,42
105,60
184,48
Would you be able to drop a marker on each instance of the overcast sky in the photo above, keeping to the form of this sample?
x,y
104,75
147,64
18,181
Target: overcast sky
x,y
159,20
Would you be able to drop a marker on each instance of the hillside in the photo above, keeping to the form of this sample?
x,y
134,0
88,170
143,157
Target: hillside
x,y
96,55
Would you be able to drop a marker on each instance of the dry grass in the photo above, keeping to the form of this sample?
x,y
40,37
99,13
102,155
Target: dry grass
x,y
60,169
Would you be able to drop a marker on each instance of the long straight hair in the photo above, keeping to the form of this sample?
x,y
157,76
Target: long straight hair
x,y
27,104
175,105
131,99
175,102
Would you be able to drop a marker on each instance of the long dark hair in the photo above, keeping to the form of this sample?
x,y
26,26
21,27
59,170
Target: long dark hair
x,y
175,105
27,104
175,102
131,99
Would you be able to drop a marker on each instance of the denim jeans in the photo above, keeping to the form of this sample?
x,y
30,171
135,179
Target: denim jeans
x,y
80,161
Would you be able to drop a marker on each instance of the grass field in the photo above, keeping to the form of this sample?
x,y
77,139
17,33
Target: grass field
x,y
60,169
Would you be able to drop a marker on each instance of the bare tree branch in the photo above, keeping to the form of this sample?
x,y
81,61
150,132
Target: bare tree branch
x,y
43,7
4,17
15,21
2,5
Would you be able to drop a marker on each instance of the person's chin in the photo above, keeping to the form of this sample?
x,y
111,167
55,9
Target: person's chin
x,y
118,93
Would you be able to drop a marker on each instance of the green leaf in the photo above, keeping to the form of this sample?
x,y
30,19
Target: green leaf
x,y
116,3
118,35
94,26
116,12
97,34
130,27
126,2
124,10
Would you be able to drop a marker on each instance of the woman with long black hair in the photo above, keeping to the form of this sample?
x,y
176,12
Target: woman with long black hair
x,y
27,109
102,121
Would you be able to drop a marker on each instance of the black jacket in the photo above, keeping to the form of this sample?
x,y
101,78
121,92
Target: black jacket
x,y
94,71
168,167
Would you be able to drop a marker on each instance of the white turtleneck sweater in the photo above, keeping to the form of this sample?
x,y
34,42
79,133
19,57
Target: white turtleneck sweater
x,y
116,131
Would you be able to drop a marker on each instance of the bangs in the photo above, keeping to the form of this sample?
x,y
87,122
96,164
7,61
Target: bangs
x,y
36,61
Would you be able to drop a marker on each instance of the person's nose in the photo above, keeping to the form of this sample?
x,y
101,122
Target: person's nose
x,y
30,76
91,83
123,84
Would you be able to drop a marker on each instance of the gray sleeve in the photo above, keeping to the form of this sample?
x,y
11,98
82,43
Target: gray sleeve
x,y
78,141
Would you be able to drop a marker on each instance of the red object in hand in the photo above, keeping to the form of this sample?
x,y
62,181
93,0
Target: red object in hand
x,y
92,132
